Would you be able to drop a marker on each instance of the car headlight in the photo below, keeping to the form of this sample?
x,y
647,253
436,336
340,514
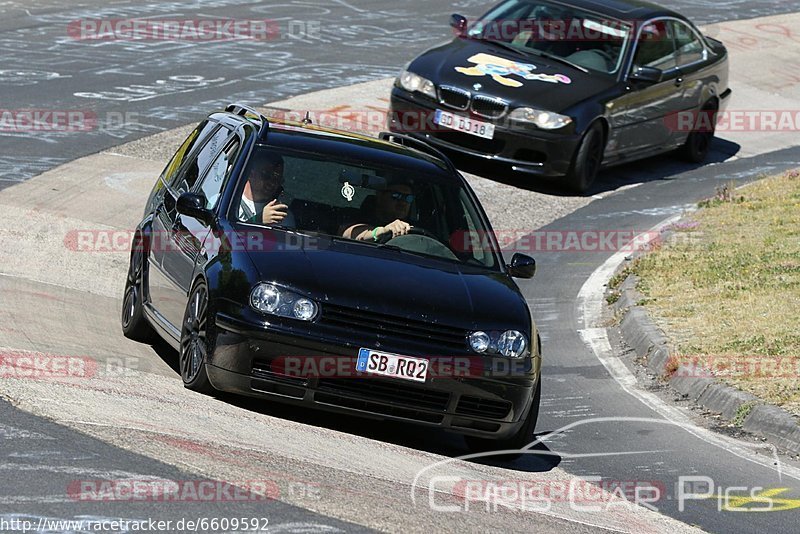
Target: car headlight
x,y
414,83
268,298
546,120
479,341
511,343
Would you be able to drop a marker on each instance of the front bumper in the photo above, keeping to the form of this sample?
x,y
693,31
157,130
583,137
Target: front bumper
x,y
532,151
310,371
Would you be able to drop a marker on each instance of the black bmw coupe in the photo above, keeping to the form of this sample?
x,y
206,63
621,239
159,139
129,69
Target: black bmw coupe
x,y
561,88
322,268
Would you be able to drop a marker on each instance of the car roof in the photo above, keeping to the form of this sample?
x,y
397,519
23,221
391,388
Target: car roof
x,y
625,10
352,146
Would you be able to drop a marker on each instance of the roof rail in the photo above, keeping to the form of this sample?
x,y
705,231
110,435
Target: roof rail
x,y
243,110
417,144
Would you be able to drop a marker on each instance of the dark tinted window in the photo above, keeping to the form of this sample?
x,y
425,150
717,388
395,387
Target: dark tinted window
x,y
219,172
656,46
330,196
181,155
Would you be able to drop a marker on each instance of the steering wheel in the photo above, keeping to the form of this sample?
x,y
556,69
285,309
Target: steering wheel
x,y
414,230
606,55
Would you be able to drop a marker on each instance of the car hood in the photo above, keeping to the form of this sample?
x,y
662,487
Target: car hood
x,y
397,283
552,86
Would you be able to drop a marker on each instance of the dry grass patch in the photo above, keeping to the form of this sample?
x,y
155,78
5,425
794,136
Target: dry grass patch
x,y
726,288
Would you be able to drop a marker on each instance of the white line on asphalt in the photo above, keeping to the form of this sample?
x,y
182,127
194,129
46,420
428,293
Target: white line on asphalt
x,y
10,432
590,307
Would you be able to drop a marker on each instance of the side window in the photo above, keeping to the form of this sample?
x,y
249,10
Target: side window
x,y
689,47
182,154
219,172
656,47
478,253
200,163
170,172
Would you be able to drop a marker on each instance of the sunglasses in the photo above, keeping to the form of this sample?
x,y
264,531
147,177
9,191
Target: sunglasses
x,y
407,198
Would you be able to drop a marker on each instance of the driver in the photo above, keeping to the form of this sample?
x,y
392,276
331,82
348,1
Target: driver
x,y
392,206
260,196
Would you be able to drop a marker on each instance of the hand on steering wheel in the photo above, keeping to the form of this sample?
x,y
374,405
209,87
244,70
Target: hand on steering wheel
x,y
395,228
412,230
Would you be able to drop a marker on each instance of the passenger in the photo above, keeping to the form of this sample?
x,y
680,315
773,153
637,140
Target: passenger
x,y
264,186
392,205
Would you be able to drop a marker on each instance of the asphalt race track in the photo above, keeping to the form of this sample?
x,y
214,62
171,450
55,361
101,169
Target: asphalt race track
x,y
140,88
603,423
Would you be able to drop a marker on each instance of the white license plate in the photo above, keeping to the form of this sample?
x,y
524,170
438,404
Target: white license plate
x,y
392,365
464,124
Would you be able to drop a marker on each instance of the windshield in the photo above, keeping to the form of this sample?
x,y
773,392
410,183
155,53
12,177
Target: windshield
x,y
377,206
555,30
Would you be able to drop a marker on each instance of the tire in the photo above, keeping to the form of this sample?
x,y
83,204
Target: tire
x,y
698,144
588,159
134,323
195,345
524,436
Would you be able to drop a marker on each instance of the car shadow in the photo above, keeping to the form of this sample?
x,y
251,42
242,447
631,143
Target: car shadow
x,y
167,354
404,434
662,167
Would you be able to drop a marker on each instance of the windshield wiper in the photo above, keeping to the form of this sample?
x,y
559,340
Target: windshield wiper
x,y
531,52
548,55
501,44
421,254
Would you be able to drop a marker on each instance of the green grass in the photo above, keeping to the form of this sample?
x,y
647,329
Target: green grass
x,y
727,285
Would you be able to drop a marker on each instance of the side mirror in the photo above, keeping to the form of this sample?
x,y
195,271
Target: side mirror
x,y
458,23
194,205
646,74
522,266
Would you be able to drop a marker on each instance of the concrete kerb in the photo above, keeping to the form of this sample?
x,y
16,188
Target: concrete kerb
x,y
655,352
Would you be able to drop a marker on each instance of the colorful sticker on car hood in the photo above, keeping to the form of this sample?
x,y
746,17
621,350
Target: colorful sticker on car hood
x,y
500,69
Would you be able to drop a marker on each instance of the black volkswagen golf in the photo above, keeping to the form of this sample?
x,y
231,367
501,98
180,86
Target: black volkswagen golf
x,y
561,88
326,269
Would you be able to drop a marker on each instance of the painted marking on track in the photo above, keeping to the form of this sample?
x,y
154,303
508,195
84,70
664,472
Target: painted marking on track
x,y
10,432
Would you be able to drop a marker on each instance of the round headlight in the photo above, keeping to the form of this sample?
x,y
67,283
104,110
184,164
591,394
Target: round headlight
x,y
265,298
304,309
479,341
512,344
